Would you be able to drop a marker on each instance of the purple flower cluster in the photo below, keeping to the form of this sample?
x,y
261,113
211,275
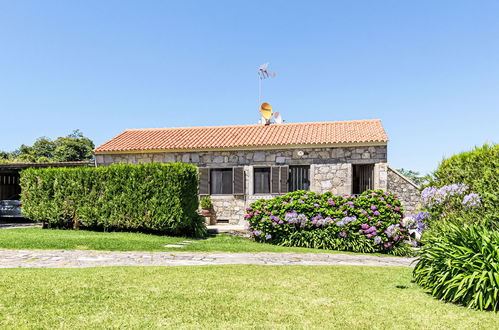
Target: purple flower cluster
x,y
319,221
472,200
392,230
274,218
345,221
293,217
415,225
369,231
433,196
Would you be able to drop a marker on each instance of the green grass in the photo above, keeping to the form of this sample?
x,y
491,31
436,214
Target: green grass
x,y
226,297
37,238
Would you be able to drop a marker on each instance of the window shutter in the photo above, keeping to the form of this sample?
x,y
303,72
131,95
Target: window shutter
x,y
204,181
238,180
275,180
284,179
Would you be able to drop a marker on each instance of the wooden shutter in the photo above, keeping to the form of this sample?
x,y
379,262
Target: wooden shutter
x,y
238,180
284,179
204,181
275,180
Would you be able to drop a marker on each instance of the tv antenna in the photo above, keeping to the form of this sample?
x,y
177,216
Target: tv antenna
x,y
263,73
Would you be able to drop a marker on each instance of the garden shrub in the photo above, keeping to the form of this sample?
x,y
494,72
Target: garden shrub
x,y
371,222
477,169
453,203
149,197
461,265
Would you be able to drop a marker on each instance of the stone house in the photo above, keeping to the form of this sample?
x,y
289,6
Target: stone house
x,y
241,164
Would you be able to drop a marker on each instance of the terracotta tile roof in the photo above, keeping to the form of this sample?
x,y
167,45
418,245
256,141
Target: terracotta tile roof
x,y
250,136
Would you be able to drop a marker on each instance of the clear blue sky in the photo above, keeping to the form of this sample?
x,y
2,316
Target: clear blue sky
x,y
428,69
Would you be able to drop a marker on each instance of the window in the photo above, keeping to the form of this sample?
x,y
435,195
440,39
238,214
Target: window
x,y
221,181
362,178
270,180
299,178
261,180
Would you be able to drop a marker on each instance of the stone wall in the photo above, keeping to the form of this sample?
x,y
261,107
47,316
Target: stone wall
x,y
336,178
407,191
298,156
330,169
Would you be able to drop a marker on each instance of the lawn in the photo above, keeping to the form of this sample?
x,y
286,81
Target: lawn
x,y
240,296
37,238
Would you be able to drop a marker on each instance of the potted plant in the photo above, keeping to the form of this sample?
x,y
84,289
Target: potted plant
x,y
206,206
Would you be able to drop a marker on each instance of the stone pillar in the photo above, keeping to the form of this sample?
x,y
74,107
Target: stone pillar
x,y
381,176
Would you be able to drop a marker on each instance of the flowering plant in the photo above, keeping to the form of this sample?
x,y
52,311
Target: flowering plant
x,y
452,203
370,222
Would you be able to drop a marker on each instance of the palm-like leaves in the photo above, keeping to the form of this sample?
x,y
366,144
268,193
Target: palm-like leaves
x,y
462,266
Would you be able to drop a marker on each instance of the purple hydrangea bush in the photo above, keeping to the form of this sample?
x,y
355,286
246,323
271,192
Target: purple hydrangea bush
x,y
370,222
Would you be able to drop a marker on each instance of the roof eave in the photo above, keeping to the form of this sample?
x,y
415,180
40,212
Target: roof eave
x,y
243,148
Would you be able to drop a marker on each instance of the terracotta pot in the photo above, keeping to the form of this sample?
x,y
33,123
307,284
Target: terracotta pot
x,y
206,212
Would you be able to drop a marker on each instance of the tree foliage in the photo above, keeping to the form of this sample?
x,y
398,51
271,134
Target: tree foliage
x,y
414,176
73,147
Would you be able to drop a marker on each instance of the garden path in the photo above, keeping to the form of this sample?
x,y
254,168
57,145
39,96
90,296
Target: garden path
x,y
86,258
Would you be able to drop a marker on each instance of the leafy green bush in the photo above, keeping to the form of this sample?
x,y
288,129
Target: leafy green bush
x,y
461,265
206,203
479,170
149,197
371,222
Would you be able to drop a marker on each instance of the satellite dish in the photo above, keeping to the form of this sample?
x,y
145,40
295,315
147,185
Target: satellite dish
x,y
266,111
277,118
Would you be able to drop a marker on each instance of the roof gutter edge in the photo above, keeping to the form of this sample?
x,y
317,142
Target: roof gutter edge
x,y
245,148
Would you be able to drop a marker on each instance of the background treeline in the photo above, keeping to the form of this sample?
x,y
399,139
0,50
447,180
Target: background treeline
x,y
73,147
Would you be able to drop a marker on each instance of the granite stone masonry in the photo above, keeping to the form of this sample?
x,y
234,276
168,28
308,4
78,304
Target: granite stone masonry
x,y
298,156
407,191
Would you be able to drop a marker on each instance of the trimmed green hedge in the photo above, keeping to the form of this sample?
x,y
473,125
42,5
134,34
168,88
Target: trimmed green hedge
x,y
149,197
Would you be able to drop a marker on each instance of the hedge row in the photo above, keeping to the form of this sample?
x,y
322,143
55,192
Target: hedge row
x,y
150,197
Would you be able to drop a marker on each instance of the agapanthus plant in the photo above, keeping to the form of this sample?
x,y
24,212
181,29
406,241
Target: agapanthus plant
x,y
452,203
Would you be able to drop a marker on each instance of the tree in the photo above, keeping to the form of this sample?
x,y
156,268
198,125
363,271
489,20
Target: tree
x,y
73,147
414,176
43,147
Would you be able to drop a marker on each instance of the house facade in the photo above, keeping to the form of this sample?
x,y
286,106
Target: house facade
x,y
241,164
